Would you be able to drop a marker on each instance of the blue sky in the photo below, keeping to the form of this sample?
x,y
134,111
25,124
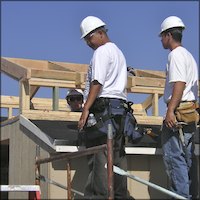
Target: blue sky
x,y
49,30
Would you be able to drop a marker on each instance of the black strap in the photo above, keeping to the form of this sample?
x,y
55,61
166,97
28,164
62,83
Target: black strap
x,y
102,119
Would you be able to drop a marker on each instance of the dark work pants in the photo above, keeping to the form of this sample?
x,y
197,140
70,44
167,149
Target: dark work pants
x,y
96,186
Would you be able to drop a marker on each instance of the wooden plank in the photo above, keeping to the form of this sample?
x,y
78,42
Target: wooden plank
x,y
148,101
38,103
150,73
51,115
155,110
24,95
130,82
54,66
73,66
149,120
9,100
146,90
146,81
30,63
33,90
14,70
53,74
74,116
52,83
47,104
138,109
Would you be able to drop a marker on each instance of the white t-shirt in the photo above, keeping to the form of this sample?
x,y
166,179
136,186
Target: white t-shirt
x,y
108,67
182,67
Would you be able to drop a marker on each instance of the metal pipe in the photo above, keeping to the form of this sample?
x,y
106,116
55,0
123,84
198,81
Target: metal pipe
x,y
110,162
69,193
37,166
76,154
161,189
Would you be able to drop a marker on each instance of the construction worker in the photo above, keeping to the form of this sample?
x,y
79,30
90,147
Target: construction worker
x,y
75,99
181,90
106,96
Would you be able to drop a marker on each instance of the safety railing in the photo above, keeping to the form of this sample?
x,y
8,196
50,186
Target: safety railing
x,y
68,156
121,172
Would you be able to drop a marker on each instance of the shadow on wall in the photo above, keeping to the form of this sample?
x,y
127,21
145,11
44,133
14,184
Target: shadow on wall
x,y
79,173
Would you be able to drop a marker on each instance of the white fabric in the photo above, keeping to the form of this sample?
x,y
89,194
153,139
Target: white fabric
x,y
108,67
182,67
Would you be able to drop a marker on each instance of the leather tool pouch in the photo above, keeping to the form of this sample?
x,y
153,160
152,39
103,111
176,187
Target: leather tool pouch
x,y
187,112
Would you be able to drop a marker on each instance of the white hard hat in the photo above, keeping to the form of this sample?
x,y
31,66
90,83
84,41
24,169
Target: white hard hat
x,y
74,92
89,24
171,22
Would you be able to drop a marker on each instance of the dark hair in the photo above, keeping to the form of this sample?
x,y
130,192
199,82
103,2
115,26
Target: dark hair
x,y
176,33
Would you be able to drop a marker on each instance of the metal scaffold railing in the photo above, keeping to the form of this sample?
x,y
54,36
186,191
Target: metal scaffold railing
x,y
68,156
119,171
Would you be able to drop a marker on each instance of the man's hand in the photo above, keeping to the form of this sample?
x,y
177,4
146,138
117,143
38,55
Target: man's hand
x,y
177,93
95,88
83,119
170,119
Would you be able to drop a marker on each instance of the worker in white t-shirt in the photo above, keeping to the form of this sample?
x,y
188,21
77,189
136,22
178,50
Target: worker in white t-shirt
x,y
105,98
181,90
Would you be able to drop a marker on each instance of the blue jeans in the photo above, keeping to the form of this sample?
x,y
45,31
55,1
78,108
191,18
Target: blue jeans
x,y
178,159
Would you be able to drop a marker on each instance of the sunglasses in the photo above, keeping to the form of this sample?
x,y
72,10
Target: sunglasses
x,y
89,36
75,98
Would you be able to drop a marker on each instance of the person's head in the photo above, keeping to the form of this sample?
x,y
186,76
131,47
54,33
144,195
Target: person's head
x,y
94,32
75,99
171,32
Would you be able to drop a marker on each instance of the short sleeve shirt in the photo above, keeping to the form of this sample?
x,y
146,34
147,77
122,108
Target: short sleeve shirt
x,y
182,67
108,67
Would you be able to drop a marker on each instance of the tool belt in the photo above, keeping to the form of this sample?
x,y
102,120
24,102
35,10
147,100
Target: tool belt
x,y
116,112
100,104
187,112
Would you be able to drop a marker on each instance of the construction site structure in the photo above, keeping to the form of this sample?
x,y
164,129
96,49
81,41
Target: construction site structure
x,y
49,124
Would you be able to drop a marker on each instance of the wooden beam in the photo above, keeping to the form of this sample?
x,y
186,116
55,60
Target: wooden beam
x,y
52,83
74,116
38,103
54,66
150,73
51,115
148,101
7,101
14,70
138,109
149,120
145,81
155,110
130,82
24,96
146,90
73,66
53,74
33,90
29,63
